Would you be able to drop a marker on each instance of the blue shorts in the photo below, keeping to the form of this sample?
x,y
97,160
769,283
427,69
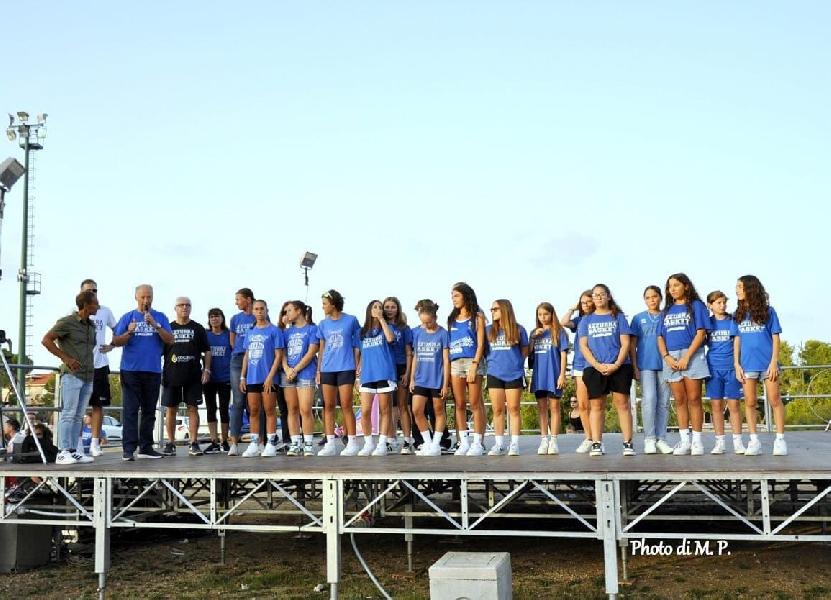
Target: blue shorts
x,y
696,367
723,384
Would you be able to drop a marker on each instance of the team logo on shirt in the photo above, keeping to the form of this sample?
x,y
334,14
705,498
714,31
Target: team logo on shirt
x,y
677,321
749,326
603,329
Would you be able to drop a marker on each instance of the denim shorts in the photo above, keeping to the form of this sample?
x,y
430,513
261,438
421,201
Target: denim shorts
x,y
296,382
461,366
696,367
760,375
723,384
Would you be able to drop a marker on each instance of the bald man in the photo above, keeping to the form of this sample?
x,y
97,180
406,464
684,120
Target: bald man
x,y
142,333
187,365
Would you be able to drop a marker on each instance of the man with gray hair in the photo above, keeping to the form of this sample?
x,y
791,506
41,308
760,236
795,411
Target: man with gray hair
x,y
143,333
184,374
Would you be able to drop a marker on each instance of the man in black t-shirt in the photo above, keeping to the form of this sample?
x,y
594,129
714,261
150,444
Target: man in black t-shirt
x,y
184,374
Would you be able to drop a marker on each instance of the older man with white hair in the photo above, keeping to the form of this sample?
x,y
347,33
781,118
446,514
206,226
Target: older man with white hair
x,y
187,365
143,333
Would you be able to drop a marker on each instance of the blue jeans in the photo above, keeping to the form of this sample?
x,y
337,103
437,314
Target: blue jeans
x,y
75,395
654,405
139,394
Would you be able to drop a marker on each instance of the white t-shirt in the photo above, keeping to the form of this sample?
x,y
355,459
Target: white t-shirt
x,y
103,318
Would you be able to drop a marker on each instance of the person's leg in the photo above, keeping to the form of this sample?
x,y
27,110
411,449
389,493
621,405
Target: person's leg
x,y
440,414
193,423
477,407
512,399
270,409
385,415
330,401
717,415
733,406
583,405
459,385
170,423
403,401
497,396
224,392
71,387
597,417
255,401
419,402
96,418
555,422
542,410
624,414
150,388
305,397
130,394
83,401
696,411
367,399
210,391
649,403
774,398
661,407
238,400
345,394
284,414
292,403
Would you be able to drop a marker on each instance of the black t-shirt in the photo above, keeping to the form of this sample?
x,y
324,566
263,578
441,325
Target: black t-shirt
x,y
182,358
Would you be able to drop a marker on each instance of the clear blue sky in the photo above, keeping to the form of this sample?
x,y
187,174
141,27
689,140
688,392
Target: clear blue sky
x,y
529,148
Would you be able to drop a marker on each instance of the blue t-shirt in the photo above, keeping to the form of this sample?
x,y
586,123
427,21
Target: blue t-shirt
x,y
220,356
756,346
240,323
298,340
505,361
403,338
260,344
429,350
547,361
578,363
645,327
377,360
339,338
720,344
462,339
603,333
144,349
678,327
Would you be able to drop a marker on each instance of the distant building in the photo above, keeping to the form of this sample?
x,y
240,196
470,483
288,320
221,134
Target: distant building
x,y
36,392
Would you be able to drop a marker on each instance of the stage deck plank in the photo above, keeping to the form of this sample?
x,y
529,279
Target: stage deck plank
x,y
809,457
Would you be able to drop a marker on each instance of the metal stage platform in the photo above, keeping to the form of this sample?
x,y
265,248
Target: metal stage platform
x,y
611,499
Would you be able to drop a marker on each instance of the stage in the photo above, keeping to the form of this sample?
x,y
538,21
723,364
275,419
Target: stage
x,y
612,499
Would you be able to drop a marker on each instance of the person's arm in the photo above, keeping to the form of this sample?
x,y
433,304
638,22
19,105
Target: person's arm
x,y
48,342
737,352
413,362
268,384
633,356
566,321
622,353
666,356
206,370
319,361
587,353
773,368
445,359
124,338
243,373
480,347
231,337
561,380
408,364
388,334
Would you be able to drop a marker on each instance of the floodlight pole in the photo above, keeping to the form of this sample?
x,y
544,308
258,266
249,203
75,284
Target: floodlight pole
x,y
22,274
306,278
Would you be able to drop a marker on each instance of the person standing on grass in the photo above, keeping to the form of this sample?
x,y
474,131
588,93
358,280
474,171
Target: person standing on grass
x,y
72,339
142,333
101,393
184,374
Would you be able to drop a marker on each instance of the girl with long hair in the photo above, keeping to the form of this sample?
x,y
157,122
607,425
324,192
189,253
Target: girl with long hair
x,y
685,322
757,359
402,349
378,377
298,380
507,351
584,306
648,368
549,345
722,385
217,391
338,355
466,324
263,354
604,339
431,376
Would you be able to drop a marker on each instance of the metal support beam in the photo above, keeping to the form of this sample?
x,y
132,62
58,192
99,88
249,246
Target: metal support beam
x,y
101,514
605,491
332,493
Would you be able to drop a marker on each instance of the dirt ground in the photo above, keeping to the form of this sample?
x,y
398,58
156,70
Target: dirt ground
x,y
159,565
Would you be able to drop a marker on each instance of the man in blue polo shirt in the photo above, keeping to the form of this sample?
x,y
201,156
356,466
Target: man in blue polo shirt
x,y
143,333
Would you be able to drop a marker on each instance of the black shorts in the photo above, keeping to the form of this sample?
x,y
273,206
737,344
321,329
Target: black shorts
x,y
599,385
190,394
258,388
101,395
337,378
400,370
540,394
433,393
495,383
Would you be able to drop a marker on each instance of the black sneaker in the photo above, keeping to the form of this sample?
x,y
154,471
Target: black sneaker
x,y
407,448
226,447
149,453
628,449
596,449
195,450
128,456
169,449
213,448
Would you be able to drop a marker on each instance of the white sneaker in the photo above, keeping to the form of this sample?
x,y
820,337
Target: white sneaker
x,y
351,449
95,450
584,446
367,449
497,450
233,450
294,450
431,450
381,450
252,450
543,447
681,448
270,449
463,449
696,448
476,449
553,448
663,447
80,457
649,446
738,446
719,447
329,449
308,449
65,458
754,448
780,447
513,449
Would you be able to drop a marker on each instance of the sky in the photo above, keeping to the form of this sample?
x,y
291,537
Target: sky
x,y
531,149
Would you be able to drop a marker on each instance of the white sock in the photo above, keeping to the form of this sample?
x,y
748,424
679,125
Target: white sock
x,y
409,440
477,438
780,436
754,437
272,437
696,437
720,437
426,436
95,443
296,439
255,437
500,440
382,440
685,436
463,437
737,437
350,439
543,438
330,439
515,439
